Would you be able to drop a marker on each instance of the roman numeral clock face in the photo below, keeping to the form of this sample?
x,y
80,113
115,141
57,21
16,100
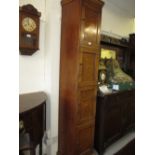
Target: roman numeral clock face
x,y
29,24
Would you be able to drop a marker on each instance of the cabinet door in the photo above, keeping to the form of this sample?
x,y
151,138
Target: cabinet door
x,y
86,104
126,100
131,110
88,69
85,138
90,26
112,118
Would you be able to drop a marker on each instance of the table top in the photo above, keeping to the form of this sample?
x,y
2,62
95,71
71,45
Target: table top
x,y
31,100
114,93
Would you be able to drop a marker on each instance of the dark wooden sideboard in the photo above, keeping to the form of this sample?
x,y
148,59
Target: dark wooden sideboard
x,y
115,116
32,114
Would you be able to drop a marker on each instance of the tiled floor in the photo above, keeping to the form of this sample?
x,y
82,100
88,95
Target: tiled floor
x,y
115,147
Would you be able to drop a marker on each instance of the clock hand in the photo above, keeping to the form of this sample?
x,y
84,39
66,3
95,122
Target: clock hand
x,y
28,21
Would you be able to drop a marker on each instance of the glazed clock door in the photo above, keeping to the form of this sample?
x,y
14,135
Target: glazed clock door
x,y
90,26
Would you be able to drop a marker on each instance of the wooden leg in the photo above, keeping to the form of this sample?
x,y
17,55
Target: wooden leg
x,y
33,152
40,148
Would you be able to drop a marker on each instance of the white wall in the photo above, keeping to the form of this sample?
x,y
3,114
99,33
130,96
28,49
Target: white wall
x,y
116,21
31,68
41,70
52,56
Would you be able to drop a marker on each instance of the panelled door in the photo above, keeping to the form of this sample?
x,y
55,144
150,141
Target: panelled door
x,y
90,22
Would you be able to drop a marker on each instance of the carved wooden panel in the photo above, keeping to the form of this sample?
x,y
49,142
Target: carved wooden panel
x,y
112,117
88,68
87,104
85,138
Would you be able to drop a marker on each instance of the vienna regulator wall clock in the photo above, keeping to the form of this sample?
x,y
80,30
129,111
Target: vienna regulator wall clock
x,y
29,23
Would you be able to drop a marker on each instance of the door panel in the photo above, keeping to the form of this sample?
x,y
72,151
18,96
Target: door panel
x,y
89,27
88,70
85,138
112,118
87,104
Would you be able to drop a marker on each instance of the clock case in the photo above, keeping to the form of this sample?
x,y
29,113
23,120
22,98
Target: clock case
x,y
28,41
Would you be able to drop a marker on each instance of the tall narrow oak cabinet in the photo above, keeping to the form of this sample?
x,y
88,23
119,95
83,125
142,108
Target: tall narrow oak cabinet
x,y
80,47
